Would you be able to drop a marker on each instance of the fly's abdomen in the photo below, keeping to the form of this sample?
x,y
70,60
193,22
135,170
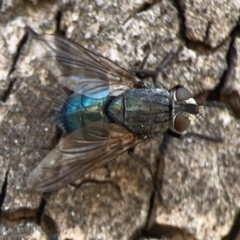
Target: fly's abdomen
x,y
78,111
143,111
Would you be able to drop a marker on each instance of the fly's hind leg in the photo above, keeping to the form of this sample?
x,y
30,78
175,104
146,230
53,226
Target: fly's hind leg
x,y
145,164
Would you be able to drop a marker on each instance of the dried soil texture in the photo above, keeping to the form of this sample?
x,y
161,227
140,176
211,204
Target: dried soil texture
x,y
198,175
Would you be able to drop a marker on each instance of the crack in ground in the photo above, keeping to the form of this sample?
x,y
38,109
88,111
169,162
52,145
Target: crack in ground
x,y
26,215
40,211
22,215
36,216
1,4
198,46
96,182
18,52
234,233
143,8
58,18
47,224
8,91
207,35
216,93
153,229
3,194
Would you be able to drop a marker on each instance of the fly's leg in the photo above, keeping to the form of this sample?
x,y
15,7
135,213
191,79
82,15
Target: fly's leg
x,y
145,164
195,135
143,73
200,136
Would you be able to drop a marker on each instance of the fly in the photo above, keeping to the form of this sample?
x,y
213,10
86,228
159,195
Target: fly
x,y
109,112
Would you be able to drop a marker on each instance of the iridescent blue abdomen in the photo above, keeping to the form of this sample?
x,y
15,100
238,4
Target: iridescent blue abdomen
x,y
78,111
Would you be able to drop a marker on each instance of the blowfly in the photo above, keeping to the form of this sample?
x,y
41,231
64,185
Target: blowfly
x,y
108,113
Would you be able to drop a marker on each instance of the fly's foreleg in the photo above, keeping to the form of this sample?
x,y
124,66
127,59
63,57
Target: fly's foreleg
x,y
143,73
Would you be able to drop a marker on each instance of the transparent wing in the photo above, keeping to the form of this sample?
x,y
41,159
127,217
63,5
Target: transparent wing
x,y
79,153
83,71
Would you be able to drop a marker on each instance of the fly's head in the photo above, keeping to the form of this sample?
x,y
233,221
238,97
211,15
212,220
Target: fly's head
x,y
184,109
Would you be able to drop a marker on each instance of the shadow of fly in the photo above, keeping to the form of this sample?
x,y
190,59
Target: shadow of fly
x,y
109,112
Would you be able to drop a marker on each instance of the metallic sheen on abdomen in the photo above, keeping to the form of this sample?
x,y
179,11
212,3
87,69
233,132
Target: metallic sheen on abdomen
x,y
79,110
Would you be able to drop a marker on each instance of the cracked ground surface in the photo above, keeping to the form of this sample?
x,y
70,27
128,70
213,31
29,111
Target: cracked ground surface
x,y
198,175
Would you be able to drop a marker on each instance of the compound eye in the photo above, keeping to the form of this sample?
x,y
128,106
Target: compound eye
x,y
181,123
182,94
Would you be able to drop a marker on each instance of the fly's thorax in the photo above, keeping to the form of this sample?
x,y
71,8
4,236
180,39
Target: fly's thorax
x,y
184,109
144,112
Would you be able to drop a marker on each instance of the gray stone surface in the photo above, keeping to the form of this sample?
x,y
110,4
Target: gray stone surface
x,y
209,22
200,185
200,190
22,231
231,90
